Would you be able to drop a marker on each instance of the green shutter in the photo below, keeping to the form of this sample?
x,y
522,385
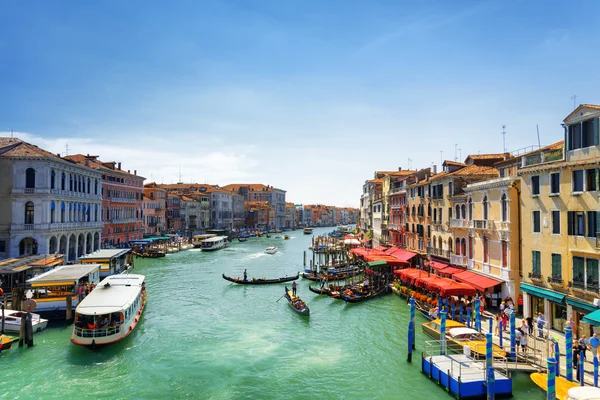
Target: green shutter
x,y
570,223
595,134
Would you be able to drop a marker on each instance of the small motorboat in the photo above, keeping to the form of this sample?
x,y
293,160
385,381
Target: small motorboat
x,y
296,303
271,250
12,321
286,237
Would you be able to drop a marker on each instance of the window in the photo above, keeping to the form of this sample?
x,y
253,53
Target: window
x,y
52,212
578,181
576,223
536,222
556,266
2,246
591,180
486,247
504,254
591,269
71,182
535,185
555,183
29,212
30,178
591,223
504,205
578,270
485,208
52,179
536,264
457,211
555,222
470,209
471,247
63,181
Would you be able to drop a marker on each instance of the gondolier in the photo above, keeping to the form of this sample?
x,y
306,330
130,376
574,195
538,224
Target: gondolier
x,y
245,275
294,288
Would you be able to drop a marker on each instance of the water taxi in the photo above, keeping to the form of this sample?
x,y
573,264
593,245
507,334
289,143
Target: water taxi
x,y
112,261
111,311
12,321
214,243
198,239
52,289
308,231
7,341
271,250
458,336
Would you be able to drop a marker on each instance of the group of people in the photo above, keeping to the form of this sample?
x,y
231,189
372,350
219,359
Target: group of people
x,y
85,289
581,346
99,322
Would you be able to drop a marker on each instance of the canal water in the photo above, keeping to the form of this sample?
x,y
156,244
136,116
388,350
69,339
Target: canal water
x,y
202,337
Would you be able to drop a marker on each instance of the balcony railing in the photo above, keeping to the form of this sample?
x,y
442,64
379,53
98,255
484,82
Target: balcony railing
x,y
438,252
503,225
536,276
55,226
542,157
555,280
577,285
459,223
478,224
458,260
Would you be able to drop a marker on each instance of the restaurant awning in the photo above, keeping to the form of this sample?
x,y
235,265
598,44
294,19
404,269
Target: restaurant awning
x,y
587,307
451,271
377,264
448,287
541,292
400,254
380,248
438,265
592,318
479,282
391,261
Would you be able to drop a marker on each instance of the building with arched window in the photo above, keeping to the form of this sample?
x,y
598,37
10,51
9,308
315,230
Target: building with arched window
x,y
42,210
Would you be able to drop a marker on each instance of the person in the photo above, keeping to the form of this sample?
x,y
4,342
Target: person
x,y
541,321
502,306
433,312
323,280
518,336
80,292
104,323
570,323
498,324
583,342
524,327
529,320
481,303
523,340
245,275
576,351
504,321
594,343
294,288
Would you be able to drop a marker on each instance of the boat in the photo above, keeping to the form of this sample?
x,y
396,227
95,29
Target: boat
x,y
580,393
12,321
6,341
242,239
332,291
286,237
111,311
458,336
296,303
354,296
317,278
198,239
150,253
260,281
562,385
308,231
112,261
271,250
214,243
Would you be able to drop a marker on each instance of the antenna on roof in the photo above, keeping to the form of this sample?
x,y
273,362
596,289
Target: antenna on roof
x,y
455,151
504,138
574,98
538,133
66,149
441,157
409,163
11,133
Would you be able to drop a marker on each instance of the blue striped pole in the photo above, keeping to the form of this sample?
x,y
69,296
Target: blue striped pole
x,y
477,315
468,317
460,312
452,306
443,332
513,336
557,356
551,391
569,352
501,333
595,371
412,318
581,368
491,325
491,384
490,379
488,350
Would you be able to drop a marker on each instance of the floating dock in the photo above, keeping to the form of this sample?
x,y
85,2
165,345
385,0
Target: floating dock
x,y
464,377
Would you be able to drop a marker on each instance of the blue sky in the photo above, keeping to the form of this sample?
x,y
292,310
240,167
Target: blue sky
x,y
309,96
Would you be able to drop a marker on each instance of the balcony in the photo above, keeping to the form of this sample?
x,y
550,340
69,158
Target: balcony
x,y
481,224
438,252
470,264
121,200
55,226
503,225
555,280
536,276
542,157
577,285
459,260
459,223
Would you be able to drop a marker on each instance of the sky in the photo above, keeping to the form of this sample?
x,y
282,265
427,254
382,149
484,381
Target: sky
x,y
308,96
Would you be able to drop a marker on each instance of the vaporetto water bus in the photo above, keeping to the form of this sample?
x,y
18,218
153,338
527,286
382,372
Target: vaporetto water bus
x,y
214,243
111,311
198,239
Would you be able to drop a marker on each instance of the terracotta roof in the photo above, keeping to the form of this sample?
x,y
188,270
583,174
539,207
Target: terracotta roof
x,y
93,162
405,172
594,106
186,198
253,187
378,180
499,156
13,147
453,163
470,170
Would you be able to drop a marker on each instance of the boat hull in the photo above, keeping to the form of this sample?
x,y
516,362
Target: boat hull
x,y
260,281
289,296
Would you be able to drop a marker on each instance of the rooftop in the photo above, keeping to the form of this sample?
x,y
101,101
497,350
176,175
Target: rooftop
x,y
105,253
93,162
64,273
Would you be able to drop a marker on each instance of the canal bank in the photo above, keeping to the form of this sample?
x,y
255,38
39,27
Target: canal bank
x,y
203,337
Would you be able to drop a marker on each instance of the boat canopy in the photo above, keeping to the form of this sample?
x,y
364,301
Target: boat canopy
x,y
111,295
64,275
454,332
105,254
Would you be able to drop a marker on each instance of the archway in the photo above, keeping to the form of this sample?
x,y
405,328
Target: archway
x,y
62,247
88,243
96,241
72,248
80,245
28,246
53,246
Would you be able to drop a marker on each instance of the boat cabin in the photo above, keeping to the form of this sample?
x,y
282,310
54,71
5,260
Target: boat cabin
x,y
50,289
214,243
198,239
463,334
14,272
112,261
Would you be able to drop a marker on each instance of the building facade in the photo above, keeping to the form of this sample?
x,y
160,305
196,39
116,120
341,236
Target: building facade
x,y
260,192
155,210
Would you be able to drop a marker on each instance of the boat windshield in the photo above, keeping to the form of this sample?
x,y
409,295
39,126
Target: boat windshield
x,y
98,325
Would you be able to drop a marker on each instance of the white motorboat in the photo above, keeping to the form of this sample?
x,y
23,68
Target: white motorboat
x,y
214,243
271,250
12,321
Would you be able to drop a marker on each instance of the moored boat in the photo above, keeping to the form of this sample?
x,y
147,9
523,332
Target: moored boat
x,y
286,237
308,231
6,341
260,281
198,239
296,303
354,296
214,243
271,250
12,321
458,336
111,311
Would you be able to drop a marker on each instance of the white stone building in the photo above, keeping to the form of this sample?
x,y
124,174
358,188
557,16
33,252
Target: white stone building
x,y
48,205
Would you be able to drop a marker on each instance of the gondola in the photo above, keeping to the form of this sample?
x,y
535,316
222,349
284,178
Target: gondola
x,y
359,298
330,278
325,290
260,281
423,311
242,239
292,300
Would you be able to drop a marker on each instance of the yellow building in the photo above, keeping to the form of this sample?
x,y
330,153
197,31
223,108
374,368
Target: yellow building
x,y
560,223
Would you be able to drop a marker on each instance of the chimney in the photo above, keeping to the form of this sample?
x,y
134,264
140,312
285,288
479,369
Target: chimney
x,y
135,171
435,169
399,168
119,164
128,171
87,162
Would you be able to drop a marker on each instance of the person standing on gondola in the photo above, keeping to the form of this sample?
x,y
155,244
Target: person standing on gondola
x,y
294,288
245,275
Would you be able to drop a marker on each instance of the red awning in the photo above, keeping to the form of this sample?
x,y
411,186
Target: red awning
x,y
400,254
450,271
391,261
479,282
361,251
380,248
448,287
438,265
410,274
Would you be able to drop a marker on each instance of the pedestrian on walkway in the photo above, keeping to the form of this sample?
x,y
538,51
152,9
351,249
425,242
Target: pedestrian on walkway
x,y
523,341
524,327
576,351
498,324
529,320
594,343
541,321
583,342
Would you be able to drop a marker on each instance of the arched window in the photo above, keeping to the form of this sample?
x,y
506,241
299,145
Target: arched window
x,y
471,247
485,208
89,185
62,211
434,213
486,255
463,210
29,212
470,209
434,243
96,186
457,250
450,248
96,213
440,242
63,181
71,182
52,213
457,216
30,178
52,179
80,181
504,208
429,210
463,246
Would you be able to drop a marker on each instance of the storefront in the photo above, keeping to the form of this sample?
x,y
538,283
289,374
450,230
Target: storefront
x,y
580,310
548,302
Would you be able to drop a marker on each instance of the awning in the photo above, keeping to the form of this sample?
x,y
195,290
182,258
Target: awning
x,y
479,282
592,318
391,261
587,307
377,264
400,254
380,248
451,271
438,265
541,292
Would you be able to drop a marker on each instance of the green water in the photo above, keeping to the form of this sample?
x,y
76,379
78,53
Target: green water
x,y
201,337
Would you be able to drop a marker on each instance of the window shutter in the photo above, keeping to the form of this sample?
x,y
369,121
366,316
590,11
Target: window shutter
x,y
569,137
570,223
